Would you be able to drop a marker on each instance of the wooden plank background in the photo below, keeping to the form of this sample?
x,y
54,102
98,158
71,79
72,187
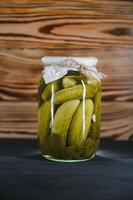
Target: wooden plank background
x,y
30,29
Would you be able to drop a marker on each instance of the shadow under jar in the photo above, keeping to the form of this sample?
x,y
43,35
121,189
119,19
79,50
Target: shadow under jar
x,y
69,108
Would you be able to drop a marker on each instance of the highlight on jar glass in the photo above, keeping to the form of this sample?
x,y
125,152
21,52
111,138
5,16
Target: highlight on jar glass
x,y
69,108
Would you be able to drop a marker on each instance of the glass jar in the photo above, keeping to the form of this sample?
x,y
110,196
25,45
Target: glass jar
x,y
69,108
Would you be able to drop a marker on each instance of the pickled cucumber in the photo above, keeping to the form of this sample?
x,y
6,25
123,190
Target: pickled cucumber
x,y
89,147
47,92
75,92
63,117
68,82
44,116
95,129
90,80
76,133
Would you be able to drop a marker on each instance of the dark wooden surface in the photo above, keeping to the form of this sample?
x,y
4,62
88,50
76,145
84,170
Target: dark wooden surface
x,y
30,29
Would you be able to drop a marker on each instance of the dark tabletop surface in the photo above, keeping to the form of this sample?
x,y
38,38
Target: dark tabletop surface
x,y
25,174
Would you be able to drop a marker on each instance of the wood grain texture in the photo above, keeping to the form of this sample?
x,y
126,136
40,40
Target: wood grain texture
x,y
30,29
91,25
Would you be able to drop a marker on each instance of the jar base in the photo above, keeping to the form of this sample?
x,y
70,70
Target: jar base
x,y
51,158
